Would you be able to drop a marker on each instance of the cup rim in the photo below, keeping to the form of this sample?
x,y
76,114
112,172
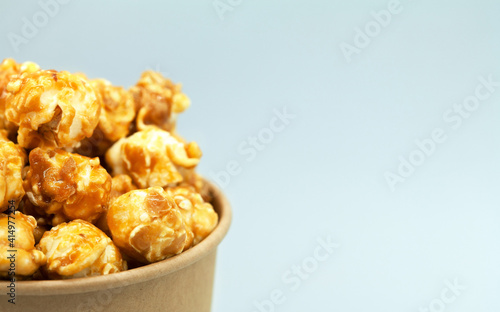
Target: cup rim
x,y
140,274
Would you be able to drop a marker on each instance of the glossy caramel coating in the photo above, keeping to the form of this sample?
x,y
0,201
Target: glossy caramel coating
x,y
158,100
154,207
12,161
8,70
52,109
66,186
153,157
147,225
117,113
199,216
120,185
27,258
79,249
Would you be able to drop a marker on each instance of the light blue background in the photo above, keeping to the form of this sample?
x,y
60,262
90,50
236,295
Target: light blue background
x,y
324,173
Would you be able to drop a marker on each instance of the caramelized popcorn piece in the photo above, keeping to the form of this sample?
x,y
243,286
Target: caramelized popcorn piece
x,y
12,161
199,215
120,185
159,101
27,258
147,225
117,114
153,157
52,109
118,109
8,69
79,249
66,185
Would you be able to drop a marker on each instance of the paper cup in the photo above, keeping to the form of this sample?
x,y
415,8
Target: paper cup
x,y
182,283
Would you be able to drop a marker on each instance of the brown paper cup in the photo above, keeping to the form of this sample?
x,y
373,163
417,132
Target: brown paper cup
x,y
180,284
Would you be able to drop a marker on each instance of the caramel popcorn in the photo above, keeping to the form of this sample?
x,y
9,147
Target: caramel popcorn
x,y
120,185
67,186
147,225
20,231
79,249
12,161
8,69
117,114
153,157
155,206
52,109
159,101
199,216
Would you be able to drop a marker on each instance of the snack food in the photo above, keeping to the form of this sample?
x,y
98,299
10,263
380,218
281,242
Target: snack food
x,y
52,109
79,249
95,171
8,69
153,157
117,113
66,185
120,184
199,216
158,101
16,238
147,225
12,161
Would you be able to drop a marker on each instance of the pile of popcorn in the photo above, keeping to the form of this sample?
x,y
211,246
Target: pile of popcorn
x,y
93,177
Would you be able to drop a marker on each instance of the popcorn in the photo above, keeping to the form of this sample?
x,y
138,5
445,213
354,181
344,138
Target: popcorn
x,y
159,101
117,114
153,157
52,109
20,231
199,216
155,206
79,249
147,225
12,161
8,69
67,186
120,185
